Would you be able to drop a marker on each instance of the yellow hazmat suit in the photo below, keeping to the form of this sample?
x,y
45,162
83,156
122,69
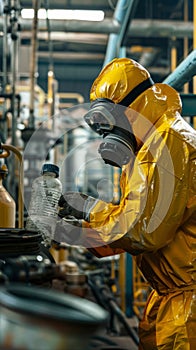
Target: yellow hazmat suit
x,y
156,218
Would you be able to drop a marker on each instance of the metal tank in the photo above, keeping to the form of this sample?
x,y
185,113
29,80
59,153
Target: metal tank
x,y
7,203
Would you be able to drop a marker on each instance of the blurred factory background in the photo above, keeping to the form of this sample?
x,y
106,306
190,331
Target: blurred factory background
x,y
158,34
50,54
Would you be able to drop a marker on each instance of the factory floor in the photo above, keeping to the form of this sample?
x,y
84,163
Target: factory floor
x,y
113,343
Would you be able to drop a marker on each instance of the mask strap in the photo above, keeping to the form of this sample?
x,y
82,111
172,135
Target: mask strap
x,y
133,94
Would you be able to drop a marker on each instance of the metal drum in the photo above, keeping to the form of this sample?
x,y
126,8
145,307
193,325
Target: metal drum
x,y
15,242
36,318
25,250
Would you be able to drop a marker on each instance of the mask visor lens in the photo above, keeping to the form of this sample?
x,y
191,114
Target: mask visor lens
x,y
100,119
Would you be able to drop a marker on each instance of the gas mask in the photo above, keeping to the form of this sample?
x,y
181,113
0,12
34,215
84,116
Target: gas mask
x,y
108,119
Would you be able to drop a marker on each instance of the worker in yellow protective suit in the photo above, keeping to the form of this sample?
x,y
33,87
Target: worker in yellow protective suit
x,y
155,219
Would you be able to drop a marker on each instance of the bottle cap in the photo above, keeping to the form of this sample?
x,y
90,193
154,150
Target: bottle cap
x,y
51,168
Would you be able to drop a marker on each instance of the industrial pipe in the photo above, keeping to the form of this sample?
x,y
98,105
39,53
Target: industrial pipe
x,y
13,10
129,14
122,15
5,46
138,28
183,73
33,64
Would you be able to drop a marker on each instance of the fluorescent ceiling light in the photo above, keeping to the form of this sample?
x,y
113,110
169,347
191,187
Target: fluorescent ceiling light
x,y
80,15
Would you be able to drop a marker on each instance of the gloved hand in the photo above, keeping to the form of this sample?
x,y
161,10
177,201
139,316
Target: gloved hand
x,y
75,204
68,231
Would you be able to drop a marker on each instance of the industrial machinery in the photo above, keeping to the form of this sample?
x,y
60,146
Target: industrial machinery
x,y
84,276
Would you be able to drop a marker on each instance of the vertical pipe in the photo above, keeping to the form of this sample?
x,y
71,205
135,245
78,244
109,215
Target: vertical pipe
x,y
116,188
50,91
51,77
5,59
130,283
173,54
14,62
194,39
14,123
33,64
122,280
128,15
5,47
122,14
194,47
186,41
194,24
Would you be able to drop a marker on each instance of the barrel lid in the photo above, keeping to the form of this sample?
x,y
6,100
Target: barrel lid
x,y
48,304
52,168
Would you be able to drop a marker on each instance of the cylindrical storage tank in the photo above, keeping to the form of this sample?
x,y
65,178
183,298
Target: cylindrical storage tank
x,y
7,203
37,318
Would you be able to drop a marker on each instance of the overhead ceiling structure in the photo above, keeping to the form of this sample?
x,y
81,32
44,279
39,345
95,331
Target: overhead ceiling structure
x,y
158,34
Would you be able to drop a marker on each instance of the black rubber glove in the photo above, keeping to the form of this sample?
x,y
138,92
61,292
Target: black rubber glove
x,y
75,204
68,231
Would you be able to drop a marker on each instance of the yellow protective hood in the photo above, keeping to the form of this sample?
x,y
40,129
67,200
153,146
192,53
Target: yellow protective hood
x,y
121,76
117,79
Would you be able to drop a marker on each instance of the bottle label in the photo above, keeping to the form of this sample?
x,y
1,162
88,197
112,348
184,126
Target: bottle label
x,y
46,203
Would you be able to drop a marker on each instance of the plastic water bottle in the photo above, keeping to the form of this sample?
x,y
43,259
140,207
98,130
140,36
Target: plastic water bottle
x,y
42,213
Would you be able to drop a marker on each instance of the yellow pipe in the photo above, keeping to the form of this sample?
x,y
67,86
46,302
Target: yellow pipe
x,y
40,93
50,91
71,95
173,55
122,280
113,276
116,179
